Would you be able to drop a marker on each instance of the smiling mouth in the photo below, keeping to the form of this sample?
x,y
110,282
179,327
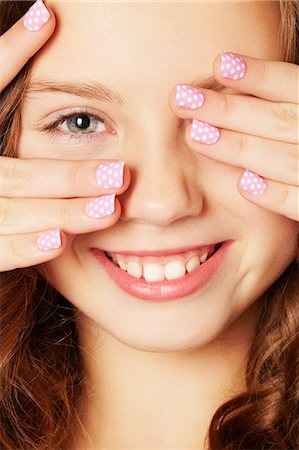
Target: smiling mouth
x,y
165,267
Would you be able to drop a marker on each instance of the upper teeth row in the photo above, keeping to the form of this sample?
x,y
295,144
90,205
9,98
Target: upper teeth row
x,y
158,272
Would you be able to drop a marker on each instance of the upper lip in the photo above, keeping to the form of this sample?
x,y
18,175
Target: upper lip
x,y
164,252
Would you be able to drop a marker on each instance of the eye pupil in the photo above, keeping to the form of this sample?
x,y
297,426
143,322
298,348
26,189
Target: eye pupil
x,y
82,122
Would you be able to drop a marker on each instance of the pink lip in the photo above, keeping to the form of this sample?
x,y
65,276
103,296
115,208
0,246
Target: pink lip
x,y
163,290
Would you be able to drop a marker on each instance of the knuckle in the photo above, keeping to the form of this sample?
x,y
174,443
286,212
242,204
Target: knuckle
x,y
5,215
7,43
293,168
285,116
225,104
287,195
13,175
262,74
76,175
16,250
240,144
64,212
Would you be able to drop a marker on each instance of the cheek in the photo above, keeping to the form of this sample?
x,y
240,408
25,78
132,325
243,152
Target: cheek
x,y
62,271
271,245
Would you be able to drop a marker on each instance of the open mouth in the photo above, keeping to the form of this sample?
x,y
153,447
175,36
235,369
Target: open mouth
x,y
163,275
159,268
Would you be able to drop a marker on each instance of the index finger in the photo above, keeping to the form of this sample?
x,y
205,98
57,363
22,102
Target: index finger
x,y
56,178
23,40
270,80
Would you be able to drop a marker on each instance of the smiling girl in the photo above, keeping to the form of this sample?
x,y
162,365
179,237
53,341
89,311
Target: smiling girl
x,y
149,206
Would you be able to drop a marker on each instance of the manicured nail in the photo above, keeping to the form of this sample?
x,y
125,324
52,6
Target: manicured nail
x,y
101,206
232,66
188,97
110,175
49,240
36,16
203,132
253,183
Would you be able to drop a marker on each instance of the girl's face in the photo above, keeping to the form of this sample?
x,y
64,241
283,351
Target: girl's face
x,y
176,198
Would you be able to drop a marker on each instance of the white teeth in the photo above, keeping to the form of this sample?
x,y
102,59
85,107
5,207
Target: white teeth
x,y
203,258
153,272
122,265
174,269
134,269
192,263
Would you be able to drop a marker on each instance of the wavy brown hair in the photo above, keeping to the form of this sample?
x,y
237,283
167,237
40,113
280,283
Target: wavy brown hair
x,y
41,370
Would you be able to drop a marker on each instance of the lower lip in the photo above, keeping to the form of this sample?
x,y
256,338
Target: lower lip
x,y
164,290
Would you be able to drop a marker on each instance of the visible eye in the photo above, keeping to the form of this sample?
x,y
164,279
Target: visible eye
x,y
84,123
76,124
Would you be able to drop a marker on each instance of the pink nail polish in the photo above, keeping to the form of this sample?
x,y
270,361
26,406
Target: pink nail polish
x,y
188,97
232,66
36,16
203,132
101,207
49,240
110,175
253,183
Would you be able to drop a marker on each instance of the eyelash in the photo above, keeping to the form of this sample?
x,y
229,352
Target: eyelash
x,y
50,128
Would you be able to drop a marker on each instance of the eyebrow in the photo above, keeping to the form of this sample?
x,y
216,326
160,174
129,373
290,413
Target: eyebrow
x,y
97,91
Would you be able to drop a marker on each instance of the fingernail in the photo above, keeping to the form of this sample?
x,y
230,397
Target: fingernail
x,y
101,206
49,240
203,132
232,66
36,16
253,183
110,175
188,97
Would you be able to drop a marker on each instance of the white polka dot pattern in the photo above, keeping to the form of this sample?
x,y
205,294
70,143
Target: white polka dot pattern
x,y
188,97
49,240
203,132
101,206
253,183
110,175
36,16
232,66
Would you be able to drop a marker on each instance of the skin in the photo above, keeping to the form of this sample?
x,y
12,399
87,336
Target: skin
x,y
144,358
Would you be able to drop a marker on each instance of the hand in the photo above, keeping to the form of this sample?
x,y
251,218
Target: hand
x,y
258,132
37,195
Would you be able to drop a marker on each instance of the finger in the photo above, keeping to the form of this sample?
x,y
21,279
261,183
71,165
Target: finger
x,y
30,249
22,41
270,159
55,178
277,197
74,216
271,80
250,115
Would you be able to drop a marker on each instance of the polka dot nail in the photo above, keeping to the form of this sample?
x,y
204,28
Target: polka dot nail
x,y
203,132
188,97
232,66
101,206
253,183
49,240
36,16
110,175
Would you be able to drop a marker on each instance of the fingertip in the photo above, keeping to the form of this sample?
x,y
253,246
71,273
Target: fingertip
x,y
172,98
127,178
229,66
38,23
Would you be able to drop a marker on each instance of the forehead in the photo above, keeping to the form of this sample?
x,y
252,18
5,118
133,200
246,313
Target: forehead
x,y
144,40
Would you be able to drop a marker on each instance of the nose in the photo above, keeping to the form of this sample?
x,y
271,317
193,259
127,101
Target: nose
x,y
164,186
